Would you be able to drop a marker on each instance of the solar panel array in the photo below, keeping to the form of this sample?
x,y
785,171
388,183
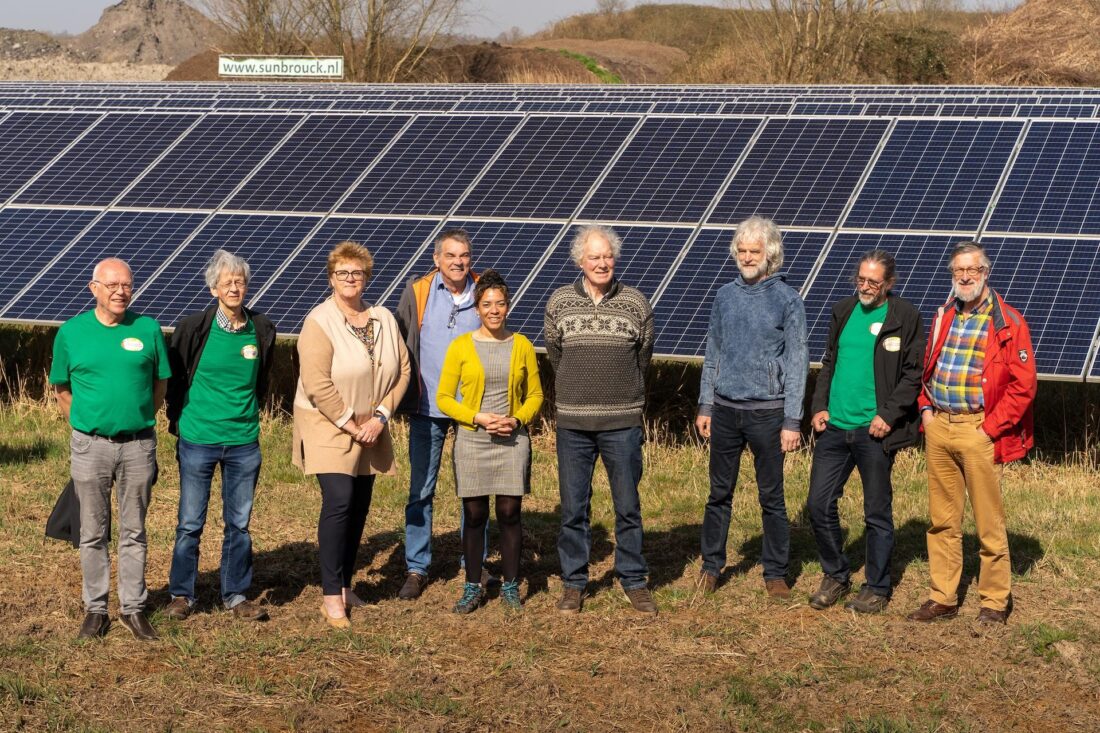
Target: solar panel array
x,y
164,174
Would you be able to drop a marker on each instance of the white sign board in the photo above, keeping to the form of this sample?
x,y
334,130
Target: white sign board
x,y
299,67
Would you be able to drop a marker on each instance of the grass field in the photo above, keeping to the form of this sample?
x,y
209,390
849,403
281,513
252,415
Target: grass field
x,y
733,661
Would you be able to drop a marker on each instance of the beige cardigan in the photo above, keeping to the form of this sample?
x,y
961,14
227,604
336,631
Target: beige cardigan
x,y
337,381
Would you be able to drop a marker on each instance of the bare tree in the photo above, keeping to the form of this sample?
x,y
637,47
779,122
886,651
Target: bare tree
x,y
258,26
610,7
821,40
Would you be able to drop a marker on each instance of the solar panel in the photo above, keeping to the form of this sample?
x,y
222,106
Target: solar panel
x,y
671,170
29,239
548,167
935,174
681,315
304,283
648,254
265,241
1054,185
145,240
30,140
317,165
432,164
210,161
801,172
107,159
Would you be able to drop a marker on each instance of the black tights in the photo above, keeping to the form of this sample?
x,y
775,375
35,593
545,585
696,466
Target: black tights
x,y
345,501
475,513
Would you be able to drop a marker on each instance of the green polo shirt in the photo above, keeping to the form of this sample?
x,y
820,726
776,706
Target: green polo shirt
x,y
852,402
221,406
111,371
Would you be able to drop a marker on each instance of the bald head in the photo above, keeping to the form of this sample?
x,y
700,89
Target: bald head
x,y
112,265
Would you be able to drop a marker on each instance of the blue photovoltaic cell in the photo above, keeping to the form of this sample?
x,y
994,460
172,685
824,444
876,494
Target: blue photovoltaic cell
x,y
249,104
1056,110
978,110
646,258
682,315
107,159
186,103
145,240
922,276
304,283
687,108
30,140
314,168
824,108
556,106
619,107
424,105
430,167
756,108
308,104
801,172
902,110
210,161
1054,184
474,105
671,169
935,174
362,104
1053,283
548,167
511,248
29,239
265,241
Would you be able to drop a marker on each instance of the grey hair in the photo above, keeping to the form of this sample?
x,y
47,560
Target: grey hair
x,y
576,250
757,227
967,247
456,233
110,261
223,261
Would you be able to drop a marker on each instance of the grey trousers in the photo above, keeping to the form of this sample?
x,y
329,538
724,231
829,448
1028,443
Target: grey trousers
x,y
97,463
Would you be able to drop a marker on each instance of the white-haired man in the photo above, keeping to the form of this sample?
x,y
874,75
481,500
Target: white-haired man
x,y
109,372
750,393
599,339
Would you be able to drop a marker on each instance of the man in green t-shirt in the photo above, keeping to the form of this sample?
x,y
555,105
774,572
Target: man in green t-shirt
x,y
109,372
865,410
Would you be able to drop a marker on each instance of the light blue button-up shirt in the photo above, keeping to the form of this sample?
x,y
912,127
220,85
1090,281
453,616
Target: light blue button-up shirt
x,y
445,319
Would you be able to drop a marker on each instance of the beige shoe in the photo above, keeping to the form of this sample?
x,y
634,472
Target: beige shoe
x,y
336,622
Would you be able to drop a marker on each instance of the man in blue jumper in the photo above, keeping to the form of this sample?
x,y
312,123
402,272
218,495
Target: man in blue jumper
x,y
751,391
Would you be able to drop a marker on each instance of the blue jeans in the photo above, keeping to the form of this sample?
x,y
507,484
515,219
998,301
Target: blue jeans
x,y
621,452
836,453
240,466
730,431
426,438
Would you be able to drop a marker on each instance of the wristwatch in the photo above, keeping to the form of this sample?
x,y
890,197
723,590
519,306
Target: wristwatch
x,y
381,418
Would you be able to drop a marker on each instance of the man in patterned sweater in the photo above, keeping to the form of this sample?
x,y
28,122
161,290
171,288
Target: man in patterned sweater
x,y
599,339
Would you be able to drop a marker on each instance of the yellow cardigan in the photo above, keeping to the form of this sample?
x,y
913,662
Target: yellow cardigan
x,y
461,366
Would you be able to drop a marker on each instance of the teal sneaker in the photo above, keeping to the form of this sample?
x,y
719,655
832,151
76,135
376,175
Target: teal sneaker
x,y
509,595
472,596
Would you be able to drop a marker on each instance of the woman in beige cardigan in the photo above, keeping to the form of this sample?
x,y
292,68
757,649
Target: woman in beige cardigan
x,y
354,370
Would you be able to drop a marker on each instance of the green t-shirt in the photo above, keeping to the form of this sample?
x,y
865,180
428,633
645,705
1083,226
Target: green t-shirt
x,y
852,402
221,406
110,370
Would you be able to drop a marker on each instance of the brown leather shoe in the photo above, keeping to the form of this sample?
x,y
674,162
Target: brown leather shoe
x,y
415,583
707,583
777,588
95,626
178,609
990,616
571,600
828,593
138,625
250,611
932,611
641,599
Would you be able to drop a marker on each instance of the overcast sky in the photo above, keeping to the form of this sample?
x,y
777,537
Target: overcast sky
x,y
489,17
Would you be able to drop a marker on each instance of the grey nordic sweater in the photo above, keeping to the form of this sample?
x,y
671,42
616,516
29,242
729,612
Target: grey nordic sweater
x,y
600,354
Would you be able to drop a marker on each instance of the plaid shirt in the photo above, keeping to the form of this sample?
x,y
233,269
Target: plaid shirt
x,y
956,384
223,322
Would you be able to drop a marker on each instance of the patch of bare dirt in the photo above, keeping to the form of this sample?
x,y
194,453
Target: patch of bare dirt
x,y
636,62
1047,42
20,45
147,32
64,67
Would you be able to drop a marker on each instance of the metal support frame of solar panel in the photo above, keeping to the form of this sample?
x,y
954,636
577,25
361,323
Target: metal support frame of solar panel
x,y
838,232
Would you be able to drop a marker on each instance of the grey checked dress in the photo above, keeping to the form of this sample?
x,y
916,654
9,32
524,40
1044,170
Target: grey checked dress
x,y
489,464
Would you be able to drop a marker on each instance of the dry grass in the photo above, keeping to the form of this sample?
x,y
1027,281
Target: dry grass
x,y
729,662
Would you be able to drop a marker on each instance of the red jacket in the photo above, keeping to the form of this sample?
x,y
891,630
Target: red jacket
x,y
1008,377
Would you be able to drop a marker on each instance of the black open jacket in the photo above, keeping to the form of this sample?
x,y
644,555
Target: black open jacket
x,y
897,373
185,349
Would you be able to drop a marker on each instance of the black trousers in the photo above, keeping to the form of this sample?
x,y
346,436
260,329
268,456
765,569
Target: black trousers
x,y
345,502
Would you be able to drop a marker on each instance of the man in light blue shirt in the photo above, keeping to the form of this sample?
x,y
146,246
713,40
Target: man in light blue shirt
x,y
434,310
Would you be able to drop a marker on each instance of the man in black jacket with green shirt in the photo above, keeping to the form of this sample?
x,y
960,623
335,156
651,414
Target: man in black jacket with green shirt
x,y
221,359
864,409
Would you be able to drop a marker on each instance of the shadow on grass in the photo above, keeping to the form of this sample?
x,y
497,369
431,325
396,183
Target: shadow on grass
x,y
12,454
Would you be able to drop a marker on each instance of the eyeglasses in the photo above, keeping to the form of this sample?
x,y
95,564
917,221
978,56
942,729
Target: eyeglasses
x,y
239,284
345,275
868,282
115,287
971,271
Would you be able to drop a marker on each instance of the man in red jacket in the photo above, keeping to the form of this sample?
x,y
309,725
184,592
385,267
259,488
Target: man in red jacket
x,y
976,411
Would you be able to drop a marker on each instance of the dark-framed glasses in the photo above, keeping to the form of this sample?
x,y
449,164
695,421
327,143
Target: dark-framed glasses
x,y
868,282
115,287
969,271
353,275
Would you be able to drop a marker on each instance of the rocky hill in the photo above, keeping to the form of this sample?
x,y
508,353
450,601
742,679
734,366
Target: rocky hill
x,y
147,32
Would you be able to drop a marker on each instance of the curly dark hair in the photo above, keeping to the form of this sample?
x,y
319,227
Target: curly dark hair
x,y
491,280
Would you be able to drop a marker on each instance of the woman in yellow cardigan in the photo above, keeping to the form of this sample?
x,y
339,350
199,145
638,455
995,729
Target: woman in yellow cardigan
x,y
498,377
